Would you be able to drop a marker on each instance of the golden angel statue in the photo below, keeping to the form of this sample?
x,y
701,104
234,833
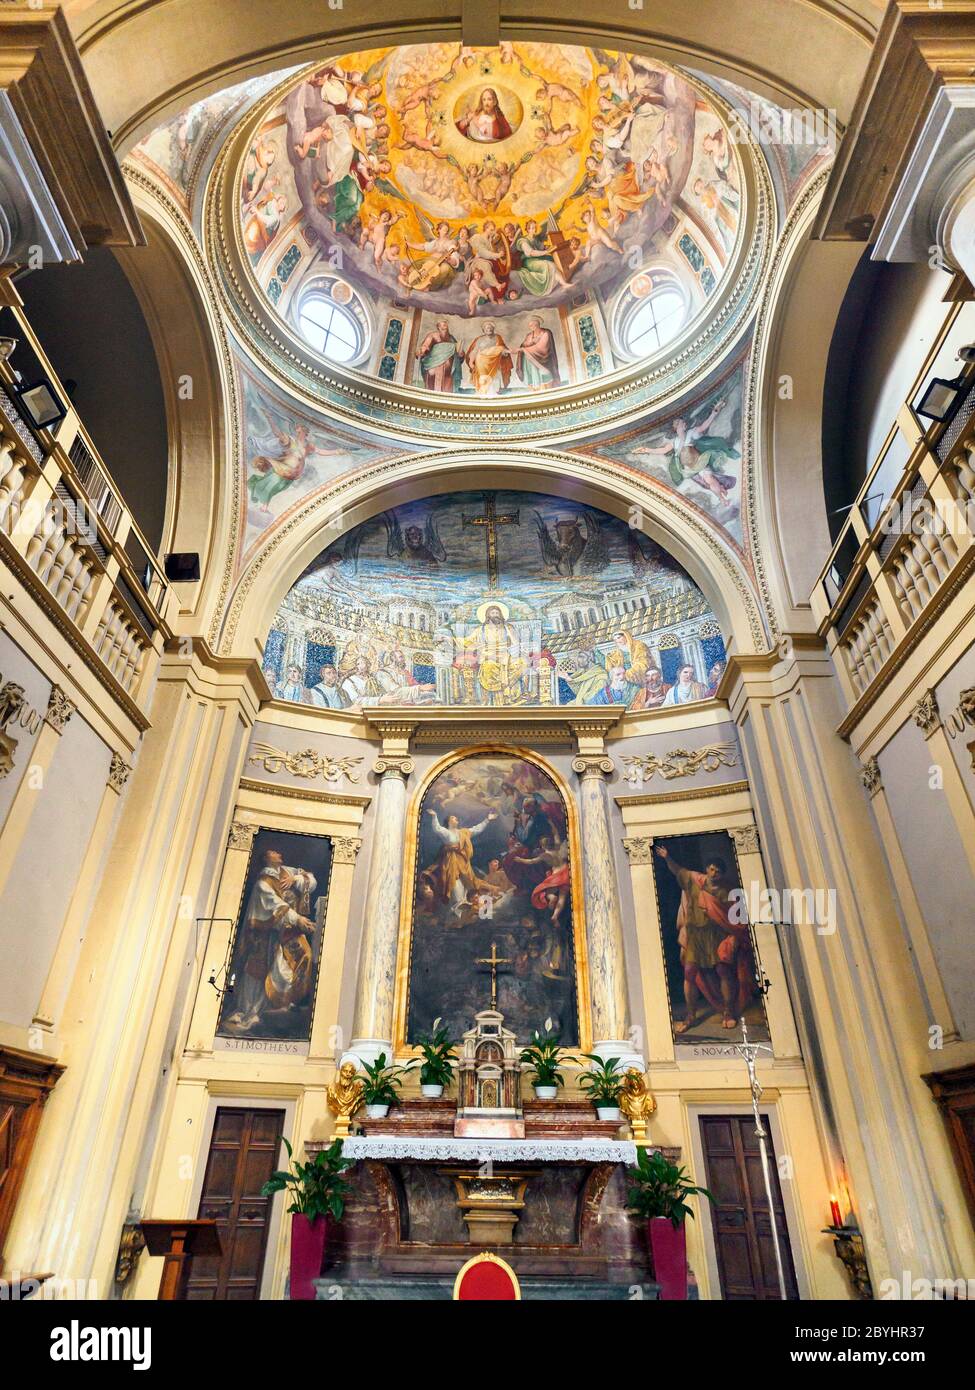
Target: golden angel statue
x,y
344,1097
637,1104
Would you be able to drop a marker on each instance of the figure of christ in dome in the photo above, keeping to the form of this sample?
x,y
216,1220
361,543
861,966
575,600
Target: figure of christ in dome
x,y
452,874
535,359
440,359
486,123
694,454
488,360
495,647
272,474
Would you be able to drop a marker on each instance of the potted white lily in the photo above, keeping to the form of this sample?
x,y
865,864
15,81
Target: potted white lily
x,y
381,1086
436,1069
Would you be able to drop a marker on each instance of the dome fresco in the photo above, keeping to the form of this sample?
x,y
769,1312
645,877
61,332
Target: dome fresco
x,y
490,222
494,598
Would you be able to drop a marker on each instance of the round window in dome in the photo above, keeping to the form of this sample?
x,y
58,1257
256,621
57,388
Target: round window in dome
x,y
332,321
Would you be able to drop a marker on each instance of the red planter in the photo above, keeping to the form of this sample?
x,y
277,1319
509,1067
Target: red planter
x,y
669,1246
307,1249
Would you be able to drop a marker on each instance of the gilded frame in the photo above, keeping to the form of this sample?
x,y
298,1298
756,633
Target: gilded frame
x,y
404,945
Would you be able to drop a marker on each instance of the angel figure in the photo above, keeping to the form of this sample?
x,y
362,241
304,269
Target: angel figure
x,y
274,472
695,454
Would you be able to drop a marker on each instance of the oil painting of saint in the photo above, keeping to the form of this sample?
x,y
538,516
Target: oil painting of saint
x,y
493,865
273,967
707,941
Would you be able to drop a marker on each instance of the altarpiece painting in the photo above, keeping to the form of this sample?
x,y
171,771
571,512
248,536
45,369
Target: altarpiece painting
x,y
272,972
493,875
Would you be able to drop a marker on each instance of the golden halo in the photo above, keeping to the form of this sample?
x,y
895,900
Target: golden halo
x,y
502,608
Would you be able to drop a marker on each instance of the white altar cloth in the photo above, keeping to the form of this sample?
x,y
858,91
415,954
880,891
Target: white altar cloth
x,y
490,1150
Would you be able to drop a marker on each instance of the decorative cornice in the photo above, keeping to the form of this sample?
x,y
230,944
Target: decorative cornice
x,y
926,714
119,772
345,848
870,776
692,794
745,838
308,762
250,784
241,835
680,762
59,709
639,849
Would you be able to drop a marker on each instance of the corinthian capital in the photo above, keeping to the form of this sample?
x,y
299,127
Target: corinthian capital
x,y
59,709
639,849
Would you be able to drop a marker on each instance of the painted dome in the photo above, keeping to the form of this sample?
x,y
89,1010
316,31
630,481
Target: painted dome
x,y
491,222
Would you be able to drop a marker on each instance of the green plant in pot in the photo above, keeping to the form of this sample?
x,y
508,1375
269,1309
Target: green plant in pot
x,y
437,1067
543,1056
602,1083
659,1194
381,1085
318,1190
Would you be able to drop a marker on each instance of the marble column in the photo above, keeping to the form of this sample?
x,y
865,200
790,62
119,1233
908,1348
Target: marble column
x,y
604,923
373,1025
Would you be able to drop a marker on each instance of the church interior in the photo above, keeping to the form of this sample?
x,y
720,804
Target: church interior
x,y
487,651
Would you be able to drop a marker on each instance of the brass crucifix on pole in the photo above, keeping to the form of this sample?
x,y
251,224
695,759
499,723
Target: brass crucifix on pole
x,y
493,960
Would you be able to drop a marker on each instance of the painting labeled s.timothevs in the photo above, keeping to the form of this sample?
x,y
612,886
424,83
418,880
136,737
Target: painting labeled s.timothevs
x,y
493,879
273,967
494,598
706,940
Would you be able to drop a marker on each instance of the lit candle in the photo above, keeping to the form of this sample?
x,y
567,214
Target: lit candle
x,y
836,1218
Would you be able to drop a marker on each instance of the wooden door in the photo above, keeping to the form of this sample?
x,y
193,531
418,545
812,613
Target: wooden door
x,y
740,1214
244,1151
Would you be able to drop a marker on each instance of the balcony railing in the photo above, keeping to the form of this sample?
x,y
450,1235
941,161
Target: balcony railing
x,y
887,578
66,531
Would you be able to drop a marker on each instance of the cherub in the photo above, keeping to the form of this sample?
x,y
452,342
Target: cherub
x,y
549,138
596,233
376,234
476,293
554,91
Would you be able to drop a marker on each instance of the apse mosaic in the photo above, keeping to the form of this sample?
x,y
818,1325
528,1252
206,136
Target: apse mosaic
x,y
492,879
494,598
499,220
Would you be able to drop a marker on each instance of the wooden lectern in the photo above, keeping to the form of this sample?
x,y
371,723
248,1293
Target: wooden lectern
x,y
178,1242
